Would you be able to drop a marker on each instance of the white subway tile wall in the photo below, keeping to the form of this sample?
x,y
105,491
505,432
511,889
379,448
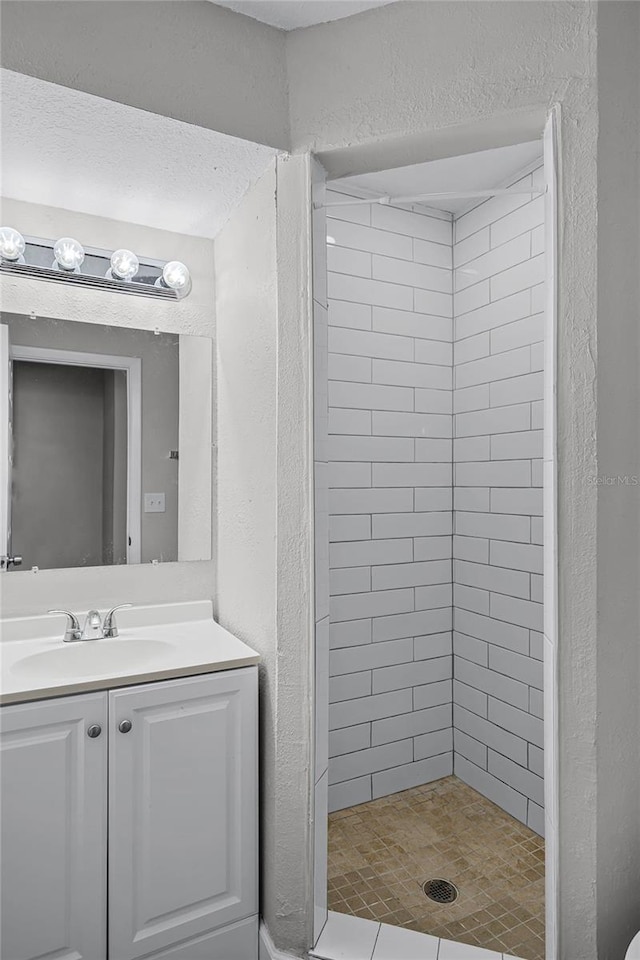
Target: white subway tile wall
x,y
497,569
434,470
390,476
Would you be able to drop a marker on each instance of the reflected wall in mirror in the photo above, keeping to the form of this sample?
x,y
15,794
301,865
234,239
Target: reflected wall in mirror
x,y
107,437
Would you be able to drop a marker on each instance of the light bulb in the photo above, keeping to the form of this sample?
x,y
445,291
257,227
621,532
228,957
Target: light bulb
x,y
68,254
124,264
175,276
12,245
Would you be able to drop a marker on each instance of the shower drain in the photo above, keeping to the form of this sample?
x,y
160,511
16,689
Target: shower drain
x,y
439,890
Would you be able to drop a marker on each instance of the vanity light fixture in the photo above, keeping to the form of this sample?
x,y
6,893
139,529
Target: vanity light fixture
x,y
67,261
68,255
12,245
124,265
175,276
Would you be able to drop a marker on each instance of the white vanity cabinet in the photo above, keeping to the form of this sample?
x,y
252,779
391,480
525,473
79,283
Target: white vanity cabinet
x,y
176,768
53,816
182,811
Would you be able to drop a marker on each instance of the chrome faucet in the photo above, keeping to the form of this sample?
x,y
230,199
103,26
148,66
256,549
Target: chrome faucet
x,y
94,628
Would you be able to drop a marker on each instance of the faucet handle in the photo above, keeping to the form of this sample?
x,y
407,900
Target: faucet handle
x,y
72,631
109,626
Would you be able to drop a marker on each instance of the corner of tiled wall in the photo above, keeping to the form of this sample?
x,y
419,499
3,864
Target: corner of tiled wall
x,y
390,498
497,570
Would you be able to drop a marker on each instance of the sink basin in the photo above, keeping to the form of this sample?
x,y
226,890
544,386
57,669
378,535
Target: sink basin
x,y
91,658
163,642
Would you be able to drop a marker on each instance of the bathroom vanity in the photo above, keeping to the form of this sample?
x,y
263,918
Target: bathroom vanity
x,y
129,794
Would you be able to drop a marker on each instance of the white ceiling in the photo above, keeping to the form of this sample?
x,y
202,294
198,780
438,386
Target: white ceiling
x,y
292,14
486,170
64,148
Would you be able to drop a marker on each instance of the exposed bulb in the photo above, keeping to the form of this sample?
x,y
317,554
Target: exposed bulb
x,y
12,245
175,276
68,254
124,265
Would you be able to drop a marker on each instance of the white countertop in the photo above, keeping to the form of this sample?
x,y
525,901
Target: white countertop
x,y
154,643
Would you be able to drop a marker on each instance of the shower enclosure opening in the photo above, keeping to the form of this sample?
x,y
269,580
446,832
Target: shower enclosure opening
x,y
429,425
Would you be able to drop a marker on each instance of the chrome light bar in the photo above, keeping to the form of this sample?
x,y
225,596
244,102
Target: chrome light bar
x,y
39,262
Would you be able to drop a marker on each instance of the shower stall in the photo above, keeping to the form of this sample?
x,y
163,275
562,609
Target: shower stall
x,y
429,360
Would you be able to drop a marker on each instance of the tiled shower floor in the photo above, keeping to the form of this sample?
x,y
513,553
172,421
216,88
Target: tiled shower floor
x,y
381,852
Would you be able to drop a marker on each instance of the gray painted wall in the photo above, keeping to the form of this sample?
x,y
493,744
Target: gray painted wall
x,y
125,58
617,385
58,465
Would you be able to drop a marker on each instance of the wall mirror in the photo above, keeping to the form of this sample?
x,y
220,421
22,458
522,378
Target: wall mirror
x,y
106,445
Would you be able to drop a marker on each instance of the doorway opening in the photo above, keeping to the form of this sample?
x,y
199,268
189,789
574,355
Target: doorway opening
x,y
437,322
74,474
75,511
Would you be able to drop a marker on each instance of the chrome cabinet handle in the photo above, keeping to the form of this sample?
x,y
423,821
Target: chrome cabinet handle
x,y
94,731
124,726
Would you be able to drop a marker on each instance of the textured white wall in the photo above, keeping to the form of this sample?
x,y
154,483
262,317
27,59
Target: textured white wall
x,y
24,593
400,72
264,501
289,889
246,338
417,80
70,149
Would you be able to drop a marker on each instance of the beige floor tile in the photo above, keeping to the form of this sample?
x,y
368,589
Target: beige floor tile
x,y
380,854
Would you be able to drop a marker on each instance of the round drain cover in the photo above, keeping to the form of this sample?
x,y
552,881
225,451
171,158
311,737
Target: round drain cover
x,y
439,890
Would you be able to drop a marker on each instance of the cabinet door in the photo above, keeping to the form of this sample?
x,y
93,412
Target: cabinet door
x,y
182,810
54,829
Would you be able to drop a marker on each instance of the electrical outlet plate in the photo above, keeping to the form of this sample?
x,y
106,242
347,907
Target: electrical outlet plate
x,y
154,503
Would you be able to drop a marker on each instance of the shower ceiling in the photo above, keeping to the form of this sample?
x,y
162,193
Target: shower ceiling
x,y
292,14
486,170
